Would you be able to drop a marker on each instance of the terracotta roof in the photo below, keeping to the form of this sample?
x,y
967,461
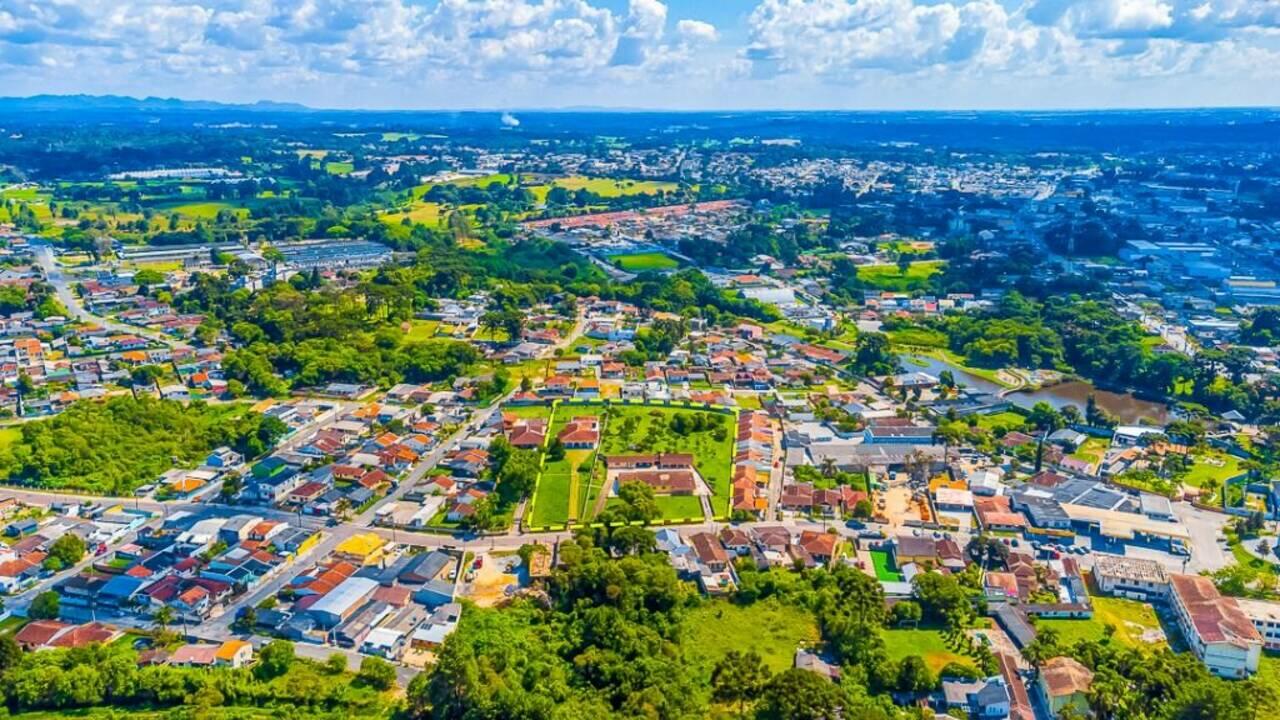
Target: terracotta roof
x,y
1215,618
1064,676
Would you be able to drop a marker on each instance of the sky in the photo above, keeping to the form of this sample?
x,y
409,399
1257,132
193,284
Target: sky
x,y
658,54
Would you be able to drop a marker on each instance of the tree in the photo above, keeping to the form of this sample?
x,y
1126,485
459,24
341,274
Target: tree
x,y
863,509
68,549
275,659
555,450
906,612
942,598
638,502
376,673
335,664
10,652
799,695
914,676
45,606
738,677
163,617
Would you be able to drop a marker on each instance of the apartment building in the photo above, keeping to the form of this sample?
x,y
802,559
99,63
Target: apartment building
x,y
1218,631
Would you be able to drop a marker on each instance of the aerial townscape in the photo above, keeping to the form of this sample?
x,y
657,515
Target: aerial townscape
x,y
563,414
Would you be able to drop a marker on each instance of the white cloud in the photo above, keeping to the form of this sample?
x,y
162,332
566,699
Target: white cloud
x,y
581,50
697,31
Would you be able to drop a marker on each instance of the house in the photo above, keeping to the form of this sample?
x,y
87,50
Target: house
x,y
195,655
908,549
1065,683
811,662
709,551
581,433
436,628
234,653
1215,627
987,699
39,633
821,546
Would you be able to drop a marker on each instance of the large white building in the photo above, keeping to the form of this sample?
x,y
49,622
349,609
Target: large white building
x,y
1135,578
1218,631
1265,617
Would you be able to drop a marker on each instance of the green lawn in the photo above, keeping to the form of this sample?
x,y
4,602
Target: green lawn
x,y
681,508
1130,619
420,330
884,567
927,644
770,628
1213,465
551,499
644,262
1007,419
889,277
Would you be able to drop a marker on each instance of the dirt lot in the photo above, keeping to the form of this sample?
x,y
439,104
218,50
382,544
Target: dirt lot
x,y
494,576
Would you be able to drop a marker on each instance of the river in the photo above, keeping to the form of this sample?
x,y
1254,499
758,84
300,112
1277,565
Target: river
x,y
1126,407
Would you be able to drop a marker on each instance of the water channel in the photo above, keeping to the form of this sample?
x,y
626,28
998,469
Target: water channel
x,y
1125,406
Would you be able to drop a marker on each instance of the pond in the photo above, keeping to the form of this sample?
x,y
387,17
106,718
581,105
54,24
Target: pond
x,y
1126,407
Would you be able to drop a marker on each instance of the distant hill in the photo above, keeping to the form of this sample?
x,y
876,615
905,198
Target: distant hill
x,y
73,103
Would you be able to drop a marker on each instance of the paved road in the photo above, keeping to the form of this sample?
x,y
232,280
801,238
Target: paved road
x,y
66,295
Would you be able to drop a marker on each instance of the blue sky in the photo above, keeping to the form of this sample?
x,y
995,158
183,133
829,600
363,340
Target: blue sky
x,y
679,54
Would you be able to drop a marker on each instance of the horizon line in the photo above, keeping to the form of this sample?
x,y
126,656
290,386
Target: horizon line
x,y
604,109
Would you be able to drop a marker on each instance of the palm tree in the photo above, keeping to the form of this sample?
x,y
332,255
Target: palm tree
x,y
163,617
828,467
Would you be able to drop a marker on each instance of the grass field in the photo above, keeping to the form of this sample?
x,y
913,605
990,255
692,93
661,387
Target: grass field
x,y
923,337
927,644
604,187
889,277
768,627
1129,618
560,494
644,262
339,168
200,210
1005,419
420,330
1092,450
1212,465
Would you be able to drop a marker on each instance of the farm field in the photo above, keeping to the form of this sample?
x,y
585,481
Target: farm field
x,y
889,277
644,262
